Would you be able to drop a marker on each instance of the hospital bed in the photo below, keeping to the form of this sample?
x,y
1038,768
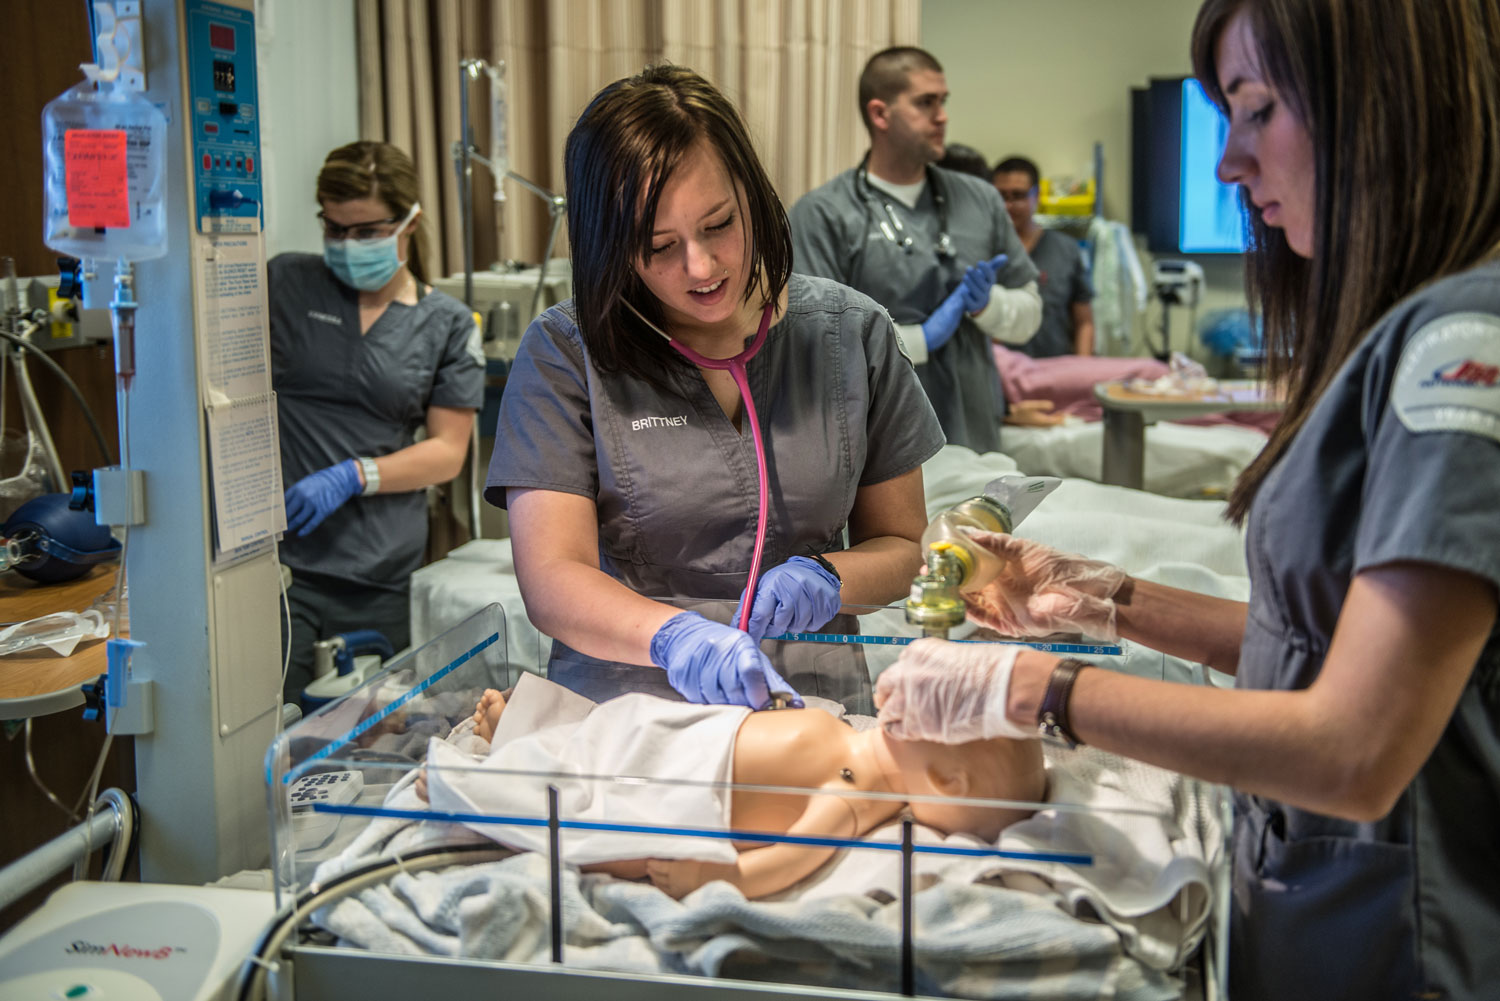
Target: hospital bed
x,y
1115,888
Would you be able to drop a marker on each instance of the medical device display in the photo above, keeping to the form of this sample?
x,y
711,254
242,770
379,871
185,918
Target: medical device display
x,y
954,562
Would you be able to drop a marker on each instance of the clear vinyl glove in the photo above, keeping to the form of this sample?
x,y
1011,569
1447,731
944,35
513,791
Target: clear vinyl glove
x,y
1040,590
317,495
714,664
944,321
798,596
949,692
979,280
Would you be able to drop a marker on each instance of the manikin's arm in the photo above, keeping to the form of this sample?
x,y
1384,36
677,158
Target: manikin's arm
x,y
555,543
759,872
435,459
885,531
1403,650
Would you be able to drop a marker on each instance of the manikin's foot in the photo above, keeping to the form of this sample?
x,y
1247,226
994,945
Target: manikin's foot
x,y
487,713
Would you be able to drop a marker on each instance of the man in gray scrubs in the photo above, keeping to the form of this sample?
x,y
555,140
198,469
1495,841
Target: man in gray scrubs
x,y
925,243
1067,311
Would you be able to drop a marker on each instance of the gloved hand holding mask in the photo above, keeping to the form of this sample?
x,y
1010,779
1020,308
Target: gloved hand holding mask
x,y
1041,591
951,693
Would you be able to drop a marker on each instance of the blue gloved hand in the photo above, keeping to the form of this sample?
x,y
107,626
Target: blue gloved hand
x,y
711,663
979,280
317,495
943,322
796,597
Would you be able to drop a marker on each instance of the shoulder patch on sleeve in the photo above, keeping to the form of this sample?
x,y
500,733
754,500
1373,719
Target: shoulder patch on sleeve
x,y
1449,376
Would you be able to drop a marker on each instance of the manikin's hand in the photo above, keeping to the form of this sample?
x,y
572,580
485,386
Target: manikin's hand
x,y
1033,414
951,693
798,596
317,495
679,877
711,663
1040,591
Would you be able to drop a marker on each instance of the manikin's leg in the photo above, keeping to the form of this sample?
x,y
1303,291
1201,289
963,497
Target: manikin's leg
x,y
487,713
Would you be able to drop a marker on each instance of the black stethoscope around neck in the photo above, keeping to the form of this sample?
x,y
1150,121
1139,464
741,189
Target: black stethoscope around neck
x,y
890,225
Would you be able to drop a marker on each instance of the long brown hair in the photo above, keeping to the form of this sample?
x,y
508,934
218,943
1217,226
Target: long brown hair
x,y
618,157
366,168
1402,101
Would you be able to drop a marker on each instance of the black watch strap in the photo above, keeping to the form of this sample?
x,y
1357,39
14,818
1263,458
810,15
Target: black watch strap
x,y
823,562
1052,717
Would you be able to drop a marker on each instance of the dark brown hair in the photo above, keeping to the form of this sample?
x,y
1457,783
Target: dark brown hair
x,y
887,75
618,157
366,168
1402,101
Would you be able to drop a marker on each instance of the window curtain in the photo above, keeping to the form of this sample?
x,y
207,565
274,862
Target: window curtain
x,y
791,66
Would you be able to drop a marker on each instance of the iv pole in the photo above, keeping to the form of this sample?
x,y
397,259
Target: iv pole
x,y
465,153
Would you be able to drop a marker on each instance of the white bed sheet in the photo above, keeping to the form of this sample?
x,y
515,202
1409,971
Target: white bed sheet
x,y
1182,460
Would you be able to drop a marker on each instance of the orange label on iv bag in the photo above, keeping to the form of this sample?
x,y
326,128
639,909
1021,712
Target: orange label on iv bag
x,y
97,183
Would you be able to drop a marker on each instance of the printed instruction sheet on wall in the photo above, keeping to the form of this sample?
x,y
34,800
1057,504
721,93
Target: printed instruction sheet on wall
x,y
239,407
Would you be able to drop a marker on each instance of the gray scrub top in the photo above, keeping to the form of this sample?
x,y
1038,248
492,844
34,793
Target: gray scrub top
x,y
340,395
675,482
1063,280
1398,461
836,233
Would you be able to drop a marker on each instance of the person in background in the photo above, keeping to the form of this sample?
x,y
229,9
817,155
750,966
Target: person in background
x,y
626,453
1067,317
965,160
933,246
364,354
1362,739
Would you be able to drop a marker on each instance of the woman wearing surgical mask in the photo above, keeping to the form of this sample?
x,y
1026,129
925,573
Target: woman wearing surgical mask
x,y
363,354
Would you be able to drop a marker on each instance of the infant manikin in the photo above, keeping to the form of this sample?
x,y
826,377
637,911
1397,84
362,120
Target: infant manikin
x,y
644,735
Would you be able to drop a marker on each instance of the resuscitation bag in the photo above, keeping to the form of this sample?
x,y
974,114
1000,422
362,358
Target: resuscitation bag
x,y
57,543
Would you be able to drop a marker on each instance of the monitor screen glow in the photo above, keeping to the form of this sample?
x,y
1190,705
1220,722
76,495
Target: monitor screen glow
x,y
1210,218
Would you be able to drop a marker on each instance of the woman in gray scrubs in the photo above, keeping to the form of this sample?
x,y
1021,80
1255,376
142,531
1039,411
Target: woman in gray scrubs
x,y
363,353
1363,737
631,473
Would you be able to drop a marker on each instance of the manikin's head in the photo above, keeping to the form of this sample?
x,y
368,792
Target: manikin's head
x,y
1001,768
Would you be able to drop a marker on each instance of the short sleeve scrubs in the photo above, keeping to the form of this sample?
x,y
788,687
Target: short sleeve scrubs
x,y
675,481
1399,461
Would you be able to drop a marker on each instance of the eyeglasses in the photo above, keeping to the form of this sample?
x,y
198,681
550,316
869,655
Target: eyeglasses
x,y
374,229
1016,194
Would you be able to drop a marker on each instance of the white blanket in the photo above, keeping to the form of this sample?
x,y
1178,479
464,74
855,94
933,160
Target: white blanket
x,y
548,729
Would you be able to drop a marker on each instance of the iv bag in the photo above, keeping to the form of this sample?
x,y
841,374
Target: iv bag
x,y
104,178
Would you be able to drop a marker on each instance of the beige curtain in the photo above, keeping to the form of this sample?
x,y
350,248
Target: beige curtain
x,y
790,65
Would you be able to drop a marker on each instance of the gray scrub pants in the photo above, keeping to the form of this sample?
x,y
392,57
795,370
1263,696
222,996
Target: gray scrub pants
x,y
326,606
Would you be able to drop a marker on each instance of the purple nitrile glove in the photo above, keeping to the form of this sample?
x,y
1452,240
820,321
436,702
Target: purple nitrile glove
x,y
317,495
796,597
711,663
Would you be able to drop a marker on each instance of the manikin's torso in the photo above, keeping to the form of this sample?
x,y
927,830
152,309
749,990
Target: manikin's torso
x,y
809,749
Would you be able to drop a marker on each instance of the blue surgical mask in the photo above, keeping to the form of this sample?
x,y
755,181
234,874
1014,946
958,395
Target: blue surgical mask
x,y
366,264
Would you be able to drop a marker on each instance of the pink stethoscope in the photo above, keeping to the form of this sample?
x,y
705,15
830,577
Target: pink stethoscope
x,y
736,368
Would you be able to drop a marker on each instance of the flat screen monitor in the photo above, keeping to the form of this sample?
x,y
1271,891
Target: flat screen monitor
x,y
1178,200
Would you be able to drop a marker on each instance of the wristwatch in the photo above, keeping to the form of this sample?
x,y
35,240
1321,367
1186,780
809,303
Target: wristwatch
x,y
1052,716
372,476
823,562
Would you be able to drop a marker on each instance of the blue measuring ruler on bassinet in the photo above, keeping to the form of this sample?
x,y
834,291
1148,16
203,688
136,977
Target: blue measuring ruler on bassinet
x,y
868,639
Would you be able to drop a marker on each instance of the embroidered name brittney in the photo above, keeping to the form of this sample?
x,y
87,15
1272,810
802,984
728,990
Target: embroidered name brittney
x,y
658,422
